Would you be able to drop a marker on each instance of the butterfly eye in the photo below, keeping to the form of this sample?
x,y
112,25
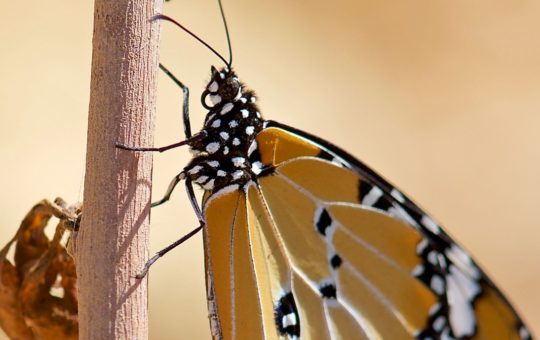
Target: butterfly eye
x,y
230,89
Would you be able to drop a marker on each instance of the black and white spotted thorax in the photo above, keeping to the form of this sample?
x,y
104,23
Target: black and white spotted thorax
x,y
231,124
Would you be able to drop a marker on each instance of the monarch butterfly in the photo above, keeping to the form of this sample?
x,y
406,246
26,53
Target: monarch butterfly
x,y
302,240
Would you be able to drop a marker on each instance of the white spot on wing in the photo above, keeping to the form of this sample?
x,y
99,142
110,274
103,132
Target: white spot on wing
x,y
373,195
289,320
245,113
422,246
439,323
397,195
524,333
213,164
236,141
462,260
398,212
250,130
437,284
432,258
461,313
233,123
216,123
469,286
418,270
430,224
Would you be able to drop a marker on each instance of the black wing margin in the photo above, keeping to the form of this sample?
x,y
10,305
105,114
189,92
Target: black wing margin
x,y
441,255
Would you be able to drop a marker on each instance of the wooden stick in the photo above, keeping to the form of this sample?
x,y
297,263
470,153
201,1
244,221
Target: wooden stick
x,y
112,245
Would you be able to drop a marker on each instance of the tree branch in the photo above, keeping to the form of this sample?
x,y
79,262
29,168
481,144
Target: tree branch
x,y
112,245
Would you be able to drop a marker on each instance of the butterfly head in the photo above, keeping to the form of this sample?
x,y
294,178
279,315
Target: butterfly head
x,y
223,87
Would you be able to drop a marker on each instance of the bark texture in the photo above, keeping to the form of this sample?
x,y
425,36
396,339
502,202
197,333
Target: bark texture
x,y
112,245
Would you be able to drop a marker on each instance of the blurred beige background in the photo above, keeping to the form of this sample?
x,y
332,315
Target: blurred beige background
x,y
442,97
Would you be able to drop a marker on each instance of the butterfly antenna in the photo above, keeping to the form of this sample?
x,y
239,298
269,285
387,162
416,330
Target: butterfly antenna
x,y
226,32
166,18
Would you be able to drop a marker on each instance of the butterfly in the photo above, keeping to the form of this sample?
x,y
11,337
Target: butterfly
x,y
304,241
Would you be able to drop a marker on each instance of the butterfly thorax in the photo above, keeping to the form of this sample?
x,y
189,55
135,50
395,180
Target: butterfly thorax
x,y
233,121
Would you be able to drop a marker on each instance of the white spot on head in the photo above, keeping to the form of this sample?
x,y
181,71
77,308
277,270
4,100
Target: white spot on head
x,y
221,75
215,99
195,169
236,141
430,224
221,173
233,123
224,135
201,179
225,150
209,185
213,87
397,195
216,123
258,114
237,174
243,100
239,162
245,113
250,130
253,99
437,284
213,164
239,94
212,147
226,108
256,167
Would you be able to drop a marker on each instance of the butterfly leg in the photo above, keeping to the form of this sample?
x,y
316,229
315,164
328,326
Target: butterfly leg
x,y
162,252
185,116
170,189
185,100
